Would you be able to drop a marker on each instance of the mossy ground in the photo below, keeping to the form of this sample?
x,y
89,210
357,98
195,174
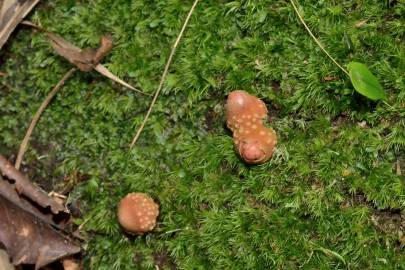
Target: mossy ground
x,y
330,198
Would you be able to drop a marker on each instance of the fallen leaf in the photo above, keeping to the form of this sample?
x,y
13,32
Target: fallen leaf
x,y
8,192
3,74
24,186
105,47
11,13
28,240
84,59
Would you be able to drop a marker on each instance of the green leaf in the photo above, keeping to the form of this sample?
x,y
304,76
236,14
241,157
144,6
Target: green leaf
x,y
365,82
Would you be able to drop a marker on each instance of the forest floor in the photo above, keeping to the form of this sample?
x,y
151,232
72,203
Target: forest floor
x,y
332,196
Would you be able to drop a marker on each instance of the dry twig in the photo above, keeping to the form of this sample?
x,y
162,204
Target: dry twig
x,y
162,80
23,146
315,39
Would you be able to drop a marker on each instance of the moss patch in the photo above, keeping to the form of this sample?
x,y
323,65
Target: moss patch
x,y
322,202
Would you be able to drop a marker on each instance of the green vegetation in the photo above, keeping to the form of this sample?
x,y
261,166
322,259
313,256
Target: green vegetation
x,y
330,198
365,82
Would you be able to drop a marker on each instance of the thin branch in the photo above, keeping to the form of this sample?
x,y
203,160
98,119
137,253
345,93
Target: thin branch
x,y
162,80
23,146
316,40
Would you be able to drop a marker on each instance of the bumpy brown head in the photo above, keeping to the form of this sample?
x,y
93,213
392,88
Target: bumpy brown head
x,y
137,213
245,115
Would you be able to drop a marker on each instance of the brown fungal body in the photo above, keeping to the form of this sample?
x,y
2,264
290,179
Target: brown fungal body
x,y
137,213
244,117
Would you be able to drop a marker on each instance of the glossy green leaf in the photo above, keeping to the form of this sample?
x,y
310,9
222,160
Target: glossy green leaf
x,y
365,82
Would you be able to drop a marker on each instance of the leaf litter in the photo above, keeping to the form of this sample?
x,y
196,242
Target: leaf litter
x,y
85,60
11,13
31,227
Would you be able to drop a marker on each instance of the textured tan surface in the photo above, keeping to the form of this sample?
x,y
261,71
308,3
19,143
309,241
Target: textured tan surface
x,y
137,213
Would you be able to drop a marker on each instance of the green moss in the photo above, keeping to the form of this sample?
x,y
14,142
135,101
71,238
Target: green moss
x,y
313,206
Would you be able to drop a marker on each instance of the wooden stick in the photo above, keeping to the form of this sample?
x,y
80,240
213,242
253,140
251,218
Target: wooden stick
x,y
162,80
23,146
316,40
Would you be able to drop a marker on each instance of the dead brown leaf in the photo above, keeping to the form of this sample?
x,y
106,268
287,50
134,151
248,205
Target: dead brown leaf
x,y
28,240
84,59
11,13
24,186
41,218
105,47
8,192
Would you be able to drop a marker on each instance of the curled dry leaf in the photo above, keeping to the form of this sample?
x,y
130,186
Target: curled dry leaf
x,y
24,186
28,240
8,192
11,13
105,47
84,59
